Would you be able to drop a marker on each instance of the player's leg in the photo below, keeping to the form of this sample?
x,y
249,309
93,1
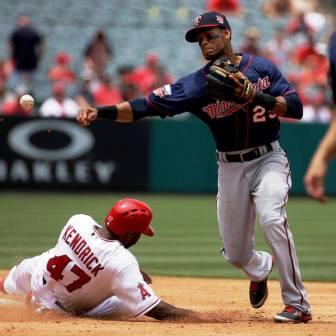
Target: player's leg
x,y
236,220
18,281
271,187
112,307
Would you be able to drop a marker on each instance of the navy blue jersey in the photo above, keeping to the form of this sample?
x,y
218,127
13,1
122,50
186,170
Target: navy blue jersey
x,y
234,126
332,61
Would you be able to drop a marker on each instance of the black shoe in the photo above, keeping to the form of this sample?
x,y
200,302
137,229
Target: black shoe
x,y
292,314
258,293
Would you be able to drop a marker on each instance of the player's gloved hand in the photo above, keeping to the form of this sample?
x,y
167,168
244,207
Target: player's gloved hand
x,y
225,82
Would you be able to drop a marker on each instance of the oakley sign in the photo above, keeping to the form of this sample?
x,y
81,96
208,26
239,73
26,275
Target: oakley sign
x,y
81,140
58,153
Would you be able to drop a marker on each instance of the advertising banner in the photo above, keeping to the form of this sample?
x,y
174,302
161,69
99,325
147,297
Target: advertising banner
x,y
58,153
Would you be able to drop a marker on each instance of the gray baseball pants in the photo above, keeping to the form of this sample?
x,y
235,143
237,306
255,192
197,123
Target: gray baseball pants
x,y
259,188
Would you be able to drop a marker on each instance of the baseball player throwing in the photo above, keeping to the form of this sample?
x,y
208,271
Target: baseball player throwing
x,y
90,272
240,97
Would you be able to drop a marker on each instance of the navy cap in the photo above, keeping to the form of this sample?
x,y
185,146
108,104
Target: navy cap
x,y
204,21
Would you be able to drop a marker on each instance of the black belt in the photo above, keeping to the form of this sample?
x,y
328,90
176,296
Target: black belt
x,y
249,156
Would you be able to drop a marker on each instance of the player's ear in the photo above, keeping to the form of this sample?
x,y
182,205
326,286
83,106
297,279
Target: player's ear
x,y
227,33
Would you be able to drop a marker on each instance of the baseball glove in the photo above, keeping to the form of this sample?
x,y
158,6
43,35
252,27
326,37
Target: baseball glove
x,y
225,82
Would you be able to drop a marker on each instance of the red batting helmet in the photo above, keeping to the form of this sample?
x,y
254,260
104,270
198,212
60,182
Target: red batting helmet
x,y
130,215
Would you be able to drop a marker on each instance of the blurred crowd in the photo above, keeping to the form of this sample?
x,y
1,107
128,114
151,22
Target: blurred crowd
x,y
298,47
93,85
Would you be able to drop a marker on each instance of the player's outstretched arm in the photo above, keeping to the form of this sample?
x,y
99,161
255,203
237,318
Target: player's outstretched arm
x,y
168,312
316,172
121,113
148,279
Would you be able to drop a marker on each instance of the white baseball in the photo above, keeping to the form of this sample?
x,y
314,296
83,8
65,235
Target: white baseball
x,y
27,102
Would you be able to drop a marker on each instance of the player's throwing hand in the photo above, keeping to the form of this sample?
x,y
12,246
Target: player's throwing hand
x,y
86,115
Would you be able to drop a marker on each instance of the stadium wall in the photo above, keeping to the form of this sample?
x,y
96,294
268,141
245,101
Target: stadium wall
x,y
183,159
156,155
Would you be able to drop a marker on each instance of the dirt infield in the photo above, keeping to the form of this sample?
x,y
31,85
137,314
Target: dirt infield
x,y
226,300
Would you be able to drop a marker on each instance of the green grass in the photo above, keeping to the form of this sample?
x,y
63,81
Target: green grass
x,y
186,243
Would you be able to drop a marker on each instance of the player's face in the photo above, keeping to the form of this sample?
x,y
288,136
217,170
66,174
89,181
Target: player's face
x,y
214,42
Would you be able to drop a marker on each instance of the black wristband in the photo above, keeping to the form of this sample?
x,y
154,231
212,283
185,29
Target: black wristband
x,y
265,100
108,112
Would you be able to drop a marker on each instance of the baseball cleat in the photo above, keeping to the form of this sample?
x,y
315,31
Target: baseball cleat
x,y
258,293
292,314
